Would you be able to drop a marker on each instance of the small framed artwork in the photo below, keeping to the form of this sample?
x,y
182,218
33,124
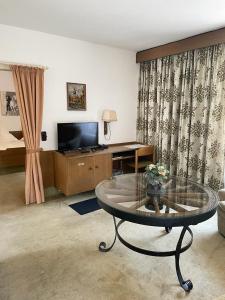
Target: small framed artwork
x,y
76,96
9,106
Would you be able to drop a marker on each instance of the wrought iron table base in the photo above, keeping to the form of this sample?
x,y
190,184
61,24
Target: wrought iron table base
x,y
185,284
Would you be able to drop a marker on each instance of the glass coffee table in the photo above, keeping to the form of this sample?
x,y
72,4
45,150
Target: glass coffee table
x,y
180,203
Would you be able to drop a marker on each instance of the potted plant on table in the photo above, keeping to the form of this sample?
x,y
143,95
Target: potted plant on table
x,y
155,175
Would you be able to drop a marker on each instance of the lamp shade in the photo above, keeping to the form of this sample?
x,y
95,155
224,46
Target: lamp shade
x,y
109,115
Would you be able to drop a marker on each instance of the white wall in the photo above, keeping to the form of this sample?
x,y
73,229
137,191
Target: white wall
x,y
111,75
6,85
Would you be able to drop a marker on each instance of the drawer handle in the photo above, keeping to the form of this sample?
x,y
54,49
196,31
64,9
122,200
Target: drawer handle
x,y
96,167
90,168
80,164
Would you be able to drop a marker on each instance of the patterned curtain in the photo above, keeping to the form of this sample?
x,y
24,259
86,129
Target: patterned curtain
x,y
181,109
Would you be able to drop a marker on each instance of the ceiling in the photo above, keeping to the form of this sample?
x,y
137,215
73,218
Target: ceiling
x,y
128,24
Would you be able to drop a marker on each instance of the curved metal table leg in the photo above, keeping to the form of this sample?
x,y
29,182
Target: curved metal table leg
x,y
102,246
185,284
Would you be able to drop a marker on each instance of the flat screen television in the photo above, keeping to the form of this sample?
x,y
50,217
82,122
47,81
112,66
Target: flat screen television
x,y
72,136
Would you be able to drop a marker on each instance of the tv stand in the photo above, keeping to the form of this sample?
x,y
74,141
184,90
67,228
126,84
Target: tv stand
x,y
77,172
80,172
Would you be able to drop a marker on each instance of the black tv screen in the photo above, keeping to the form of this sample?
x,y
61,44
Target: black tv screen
x,y
73,136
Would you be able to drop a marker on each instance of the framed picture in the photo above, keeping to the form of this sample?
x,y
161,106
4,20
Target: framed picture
x,y
9,106
76,96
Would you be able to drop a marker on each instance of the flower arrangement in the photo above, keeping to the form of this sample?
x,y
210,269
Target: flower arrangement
x,y
156,174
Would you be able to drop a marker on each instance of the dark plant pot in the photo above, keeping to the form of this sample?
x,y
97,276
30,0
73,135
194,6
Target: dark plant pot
x,y
154,191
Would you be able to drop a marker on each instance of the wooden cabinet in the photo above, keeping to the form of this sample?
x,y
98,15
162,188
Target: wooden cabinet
x,y
76,174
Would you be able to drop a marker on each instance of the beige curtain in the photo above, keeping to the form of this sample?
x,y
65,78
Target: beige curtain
x,y
29,85
181,110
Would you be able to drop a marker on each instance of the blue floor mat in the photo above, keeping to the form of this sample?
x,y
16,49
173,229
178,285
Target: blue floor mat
x,y
85,207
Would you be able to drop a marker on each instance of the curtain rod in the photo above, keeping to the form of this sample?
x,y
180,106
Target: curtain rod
x,y
21,64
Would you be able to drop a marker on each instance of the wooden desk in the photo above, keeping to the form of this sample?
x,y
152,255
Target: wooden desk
x,y
77,172
15,158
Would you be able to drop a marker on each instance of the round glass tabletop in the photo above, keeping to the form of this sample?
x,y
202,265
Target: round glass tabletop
x,y
180,202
